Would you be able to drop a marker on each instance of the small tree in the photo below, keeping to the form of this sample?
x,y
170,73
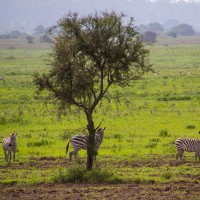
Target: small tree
x,y
39,30
30,39
149,37
155,27
90,54
183,30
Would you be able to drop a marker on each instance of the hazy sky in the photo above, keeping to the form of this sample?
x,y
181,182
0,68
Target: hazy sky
x,y
175,0
29,13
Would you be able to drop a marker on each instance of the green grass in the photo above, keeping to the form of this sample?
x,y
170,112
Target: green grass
x,y
144,122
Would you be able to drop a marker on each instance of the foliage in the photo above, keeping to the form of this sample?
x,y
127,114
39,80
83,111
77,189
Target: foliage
x,y
190,126
30,39
172,34
78,174
164,133
183,30
39,30
45,39
11,35
39,143
149,36
155,27
88,56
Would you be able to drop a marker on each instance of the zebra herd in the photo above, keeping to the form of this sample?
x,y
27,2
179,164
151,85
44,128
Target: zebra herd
x,y
79,142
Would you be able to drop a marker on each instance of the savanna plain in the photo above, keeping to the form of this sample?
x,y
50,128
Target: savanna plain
x,y
136,159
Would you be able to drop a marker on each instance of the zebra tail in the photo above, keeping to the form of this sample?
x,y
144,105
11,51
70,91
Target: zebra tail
x,y
67,147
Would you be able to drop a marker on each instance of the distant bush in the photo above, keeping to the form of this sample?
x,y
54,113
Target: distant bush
x,y
149,36
190,126
183,30
11,35
39,30
11,47
10,57
175,98
152,143
155,27
27,135
39,143
45,39
164,133
172,34
167,175
30,39
117,136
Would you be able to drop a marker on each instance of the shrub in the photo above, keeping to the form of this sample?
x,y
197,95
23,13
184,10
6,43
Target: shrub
x,y
190,126
11,57
79,174
39,143
117,136
167,175
152,143
27,135
149,36
174,98
30,39
164,133
183,30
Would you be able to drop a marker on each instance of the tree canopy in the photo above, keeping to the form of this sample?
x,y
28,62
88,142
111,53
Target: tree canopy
x,y
90,54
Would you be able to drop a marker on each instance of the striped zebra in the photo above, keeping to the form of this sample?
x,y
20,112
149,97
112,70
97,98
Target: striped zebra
x,y
79,142
9,145
189,145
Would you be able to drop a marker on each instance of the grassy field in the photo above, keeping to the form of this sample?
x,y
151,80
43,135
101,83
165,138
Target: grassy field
x,y
142,121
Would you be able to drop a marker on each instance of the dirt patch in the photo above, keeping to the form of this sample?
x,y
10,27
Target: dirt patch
x,y
142,190
181,190
56,162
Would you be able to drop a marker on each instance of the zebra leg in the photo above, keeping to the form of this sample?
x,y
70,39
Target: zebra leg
x,y
179,154
5,155
10,156
70,155
74,152
197,155
14,156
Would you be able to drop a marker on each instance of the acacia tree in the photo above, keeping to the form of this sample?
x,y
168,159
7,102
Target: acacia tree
x,y
90,54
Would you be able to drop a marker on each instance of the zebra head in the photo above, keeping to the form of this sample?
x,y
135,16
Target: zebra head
x,y
13,138
100,132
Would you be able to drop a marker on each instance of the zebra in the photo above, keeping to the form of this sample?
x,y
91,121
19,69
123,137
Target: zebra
x,y
9,145
189,145
79,142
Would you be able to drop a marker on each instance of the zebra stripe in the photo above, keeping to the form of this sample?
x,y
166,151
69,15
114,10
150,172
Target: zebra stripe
x,y
9,145
189,145
79,142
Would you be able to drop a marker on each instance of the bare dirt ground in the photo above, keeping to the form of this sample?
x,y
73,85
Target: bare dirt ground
x,y
68,191
170,191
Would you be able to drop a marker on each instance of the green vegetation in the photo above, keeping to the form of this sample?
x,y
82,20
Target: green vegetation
x,y
142,122
79,174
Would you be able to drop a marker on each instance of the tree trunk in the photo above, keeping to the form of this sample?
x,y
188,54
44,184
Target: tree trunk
x,y
91,142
